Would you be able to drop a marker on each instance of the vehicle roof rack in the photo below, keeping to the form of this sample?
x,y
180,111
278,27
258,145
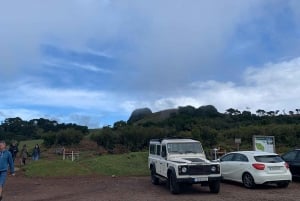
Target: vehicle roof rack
x,y
168,138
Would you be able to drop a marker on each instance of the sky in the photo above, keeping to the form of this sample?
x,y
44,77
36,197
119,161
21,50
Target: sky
x,y
92,62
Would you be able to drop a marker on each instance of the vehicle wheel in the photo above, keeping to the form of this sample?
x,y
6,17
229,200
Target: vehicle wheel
x,y
248,180
173,185
154,179
214,186
283,184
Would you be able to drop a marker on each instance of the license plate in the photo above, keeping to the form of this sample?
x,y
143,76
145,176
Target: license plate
x,y
274,168
201,179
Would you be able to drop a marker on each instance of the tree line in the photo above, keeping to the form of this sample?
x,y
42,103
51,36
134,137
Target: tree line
x,y
212,128
16,129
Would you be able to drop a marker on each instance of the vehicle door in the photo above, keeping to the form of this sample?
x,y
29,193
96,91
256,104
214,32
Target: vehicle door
x,y
226,163
290,158
240,164
158,159
297,164
164,161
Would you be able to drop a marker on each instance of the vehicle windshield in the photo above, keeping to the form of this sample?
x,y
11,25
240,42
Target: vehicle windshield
x,y
268,159
184,148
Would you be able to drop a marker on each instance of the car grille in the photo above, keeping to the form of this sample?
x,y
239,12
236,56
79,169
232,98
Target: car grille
x,y
199,169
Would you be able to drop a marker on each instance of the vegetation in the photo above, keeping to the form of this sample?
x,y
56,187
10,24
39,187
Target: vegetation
x,y
16,129
206,124
212,128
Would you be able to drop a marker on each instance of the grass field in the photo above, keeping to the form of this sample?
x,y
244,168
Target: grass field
x,y
30,144
131,164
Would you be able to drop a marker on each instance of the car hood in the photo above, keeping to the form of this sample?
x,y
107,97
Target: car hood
x,y
189,160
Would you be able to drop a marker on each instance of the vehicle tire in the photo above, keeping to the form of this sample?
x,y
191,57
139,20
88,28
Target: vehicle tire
x,y
283,184
173,185
154,179
248,180
214,186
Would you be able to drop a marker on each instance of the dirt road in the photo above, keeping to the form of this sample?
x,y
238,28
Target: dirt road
x,y
20,188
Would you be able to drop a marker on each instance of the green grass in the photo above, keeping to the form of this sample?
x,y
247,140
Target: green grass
x,y
131,164
30,143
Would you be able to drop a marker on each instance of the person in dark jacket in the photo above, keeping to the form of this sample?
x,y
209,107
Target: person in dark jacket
x,y
5,161
36,153
24,154
13,149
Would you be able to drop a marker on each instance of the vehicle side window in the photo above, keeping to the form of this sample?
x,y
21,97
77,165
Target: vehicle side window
x,y
152,149
158,150
298,156
290,156
228,157
163,151
240,157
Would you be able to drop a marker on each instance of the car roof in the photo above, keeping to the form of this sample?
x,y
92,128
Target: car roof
x,y
179,140
255,153
173,140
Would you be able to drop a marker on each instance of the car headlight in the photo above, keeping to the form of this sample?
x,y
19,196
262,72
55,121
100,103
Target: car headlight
x,y
213,168
183,169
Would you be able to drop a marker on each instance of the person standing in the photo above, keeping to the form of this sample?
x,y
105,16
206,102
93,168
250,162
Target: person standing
x,y
24,154
5,161
36,153
13,149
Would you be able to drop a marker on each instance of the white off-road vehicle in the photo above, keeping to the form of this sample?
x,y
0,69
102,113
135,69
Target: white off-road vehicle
x,y
181,162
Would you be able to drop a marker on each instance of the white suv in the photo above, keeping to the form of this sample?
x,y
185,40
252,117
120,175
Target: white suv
x,y
182,161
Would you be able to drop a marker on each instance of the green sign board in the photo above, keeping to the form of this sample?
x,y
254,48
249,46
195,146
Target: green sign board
x,y
264,143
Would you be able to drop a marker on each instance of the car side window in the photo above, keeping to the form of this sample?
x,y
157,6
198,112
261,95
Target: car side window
x,y
298,156
228,157
240,157
163,151
290,156
158,150
152,149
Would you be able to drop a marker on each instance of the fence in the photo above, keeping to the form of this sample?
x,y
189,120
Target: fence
x,y
70,155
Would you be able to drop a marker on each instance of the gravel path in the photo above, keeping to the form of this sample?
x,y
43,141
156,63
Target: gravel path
x,y
98,188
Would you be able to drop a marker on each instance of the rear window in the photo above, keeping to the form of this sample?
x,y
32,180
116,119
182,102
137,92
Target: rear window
x,y
268,159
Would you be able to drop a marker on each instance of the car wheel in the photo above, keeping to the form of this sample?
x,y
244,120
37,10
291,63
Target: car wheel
x,y
214,186
154,179
173,185
248,180
283,184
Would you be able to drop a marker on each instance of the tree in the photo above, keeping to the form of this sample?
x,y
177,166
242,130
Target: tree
x,y
232,111
260,112
119,124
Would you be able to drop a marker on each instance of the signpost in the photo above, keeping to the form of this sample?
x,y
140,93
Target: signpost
x,y
238,141
264,143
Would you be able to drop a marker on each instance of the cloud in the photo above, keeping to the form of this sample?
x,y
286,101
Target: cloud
x,y
115,56
273,86
25,114
71,65
166,41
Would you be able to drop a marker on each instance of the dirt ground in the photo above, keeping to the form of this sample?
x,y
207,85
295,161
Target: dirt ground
x,y
20,188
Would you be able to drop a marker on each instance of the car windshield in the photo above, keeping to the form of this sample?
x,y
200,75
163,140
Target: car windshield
x,y
268,159
184,148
